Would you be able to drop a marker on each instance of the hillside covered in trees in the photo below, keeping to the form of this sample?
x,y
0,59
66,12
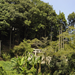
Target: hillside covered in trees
x,y
28,24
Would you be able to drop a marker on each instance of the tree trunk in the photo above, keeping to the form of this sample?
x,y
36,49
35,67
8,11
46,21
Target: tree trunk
x,y
18,36
59,38
0,47
51,34
10,39
13,37
63,42
63,38
45,57
45,32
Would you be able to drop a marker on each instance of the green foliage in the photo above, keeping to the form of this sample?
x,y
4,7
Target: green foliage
x,y
6,65
49,51
58,65
61,16
25,66
45,42
6,56
50,48
27,17
22,48
71,62
71,17
18,64
69,36
35,19
2,71
35,43
62,62
27,22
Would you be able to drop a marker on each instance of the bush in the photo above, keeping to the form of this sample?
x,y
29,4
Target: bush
x,y
6,56
22,48
63,64
35,43
59,65
71,63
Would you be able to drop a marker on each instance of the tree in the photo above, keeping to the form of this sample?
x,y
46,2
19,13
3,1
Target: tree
x,y
48,18
4,15
30,17
71,18
62,26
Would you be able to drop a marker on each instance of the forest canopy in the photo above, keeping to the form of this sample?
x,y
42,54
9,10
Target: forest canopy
x,y
29,19
26,25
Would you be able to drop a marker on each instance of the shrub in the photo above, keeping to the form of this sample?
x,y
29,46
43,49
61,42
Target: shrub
x,y
6,56
59,65
71,63
22,48
35,43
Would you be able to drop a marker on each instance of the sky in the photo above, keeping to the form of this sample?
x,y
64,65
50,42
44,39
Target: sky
x,y
66,6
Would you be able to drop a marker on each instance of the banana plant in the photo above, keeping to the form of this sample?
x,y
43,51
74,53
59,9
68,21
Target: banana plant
x,y
34,61
20,64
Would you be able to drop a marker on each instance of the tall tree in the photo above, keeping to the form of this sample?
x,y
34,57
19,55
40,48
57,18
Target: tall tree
x,y
62,26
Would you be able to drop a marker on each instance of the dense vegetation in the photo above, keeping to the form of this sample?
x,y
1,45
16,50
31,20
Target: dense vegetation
x,y
28,24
